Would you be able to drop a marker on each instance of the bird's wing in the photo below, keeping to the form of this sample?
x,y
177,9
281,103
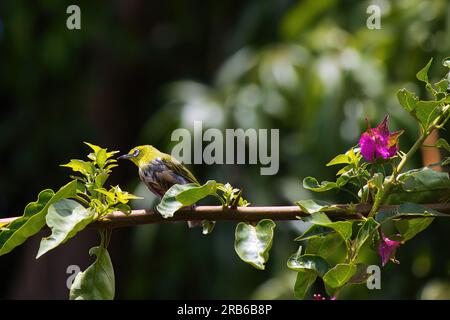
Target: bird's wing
x,y
179,169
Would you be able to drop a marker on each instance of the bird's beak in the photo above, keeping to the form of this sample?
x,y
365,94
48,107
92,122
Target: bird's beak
x,y
125,156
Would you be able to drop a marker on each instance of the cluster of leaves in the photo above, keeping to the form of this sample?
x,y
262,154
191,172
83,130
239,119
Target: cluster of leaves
x,y
68,211
332,248
252,242
329,249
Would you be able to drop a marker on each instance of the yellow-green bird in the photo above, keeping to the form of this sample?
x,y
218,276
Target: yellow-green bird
x,y
159,171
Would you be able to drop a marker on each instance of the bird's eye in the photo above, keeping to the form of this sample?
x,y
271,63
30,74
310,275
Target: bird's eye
x,y
136,152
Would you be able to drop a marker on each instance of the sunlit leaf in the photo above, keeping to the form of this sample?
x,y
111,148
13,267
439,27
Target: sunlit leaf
x,y
312,184
253,243
33,219
86,168
97,281
182,195
407,99
422,75
65,218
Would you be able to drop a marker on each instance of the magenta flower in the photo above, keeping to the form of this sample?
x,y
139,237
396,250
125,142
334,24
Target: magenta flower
x,y
387,248
318,296
379,143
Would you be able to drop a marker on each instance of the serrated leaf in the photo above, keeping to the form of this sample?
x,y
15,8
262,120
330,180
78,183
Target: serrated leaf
x,y
182,195
303,282
308,262
81,166
33,219
65,218
253,243
312,184
97,281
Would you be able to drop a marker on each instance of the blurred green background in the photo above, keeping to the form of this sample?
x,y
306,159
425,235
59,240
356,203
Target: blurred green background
x,y
137,70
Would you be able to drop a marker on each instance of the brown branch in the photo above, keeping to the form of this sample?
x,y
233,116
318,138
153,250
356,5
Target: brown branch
x,y
218,213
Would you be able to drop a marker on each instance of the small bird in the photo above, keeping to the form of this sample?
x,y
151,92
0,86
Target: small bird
x,y
159,171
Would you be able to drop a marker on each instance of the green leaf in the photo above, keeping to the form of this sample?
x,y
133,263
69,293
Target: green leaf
x,y
253,243
109,194
409,228
442,143
313,206
422,75
339,275
343,228
303,282
339,159
123,208
313,232
308,262
347,169
94,148
407,100
442,85
86,168
33,219
101,179
312,184
331,247
420,186
100,158
424,179
97,281
182,195
65,218
409,210
427,111
365,233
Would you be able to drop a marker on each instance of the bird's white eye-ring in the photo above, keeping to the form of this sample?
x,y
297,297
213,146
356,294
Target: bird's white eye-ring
x,y
136,152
